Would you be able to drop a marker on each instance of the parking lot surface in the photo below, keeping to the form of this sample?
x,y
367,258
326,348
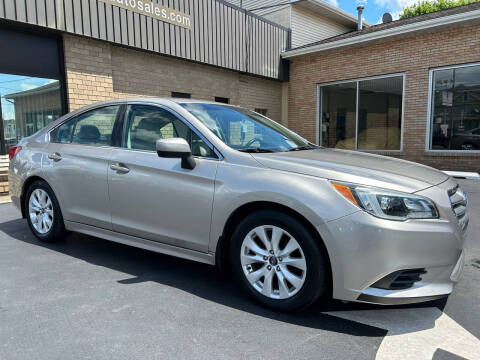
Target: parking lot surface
x,y
89,298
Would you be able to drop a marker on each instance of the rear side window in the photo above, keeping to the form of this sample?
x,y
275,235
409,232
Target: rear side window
x,y
63,133
95,127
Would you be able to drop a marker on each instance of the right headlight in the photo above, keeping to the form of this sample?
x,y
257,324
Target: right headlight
x,y
388,204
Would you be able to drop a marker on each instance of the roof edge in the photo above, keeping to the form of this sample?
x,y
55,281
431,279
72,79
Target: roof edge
x,y
52,86
381,34
335,10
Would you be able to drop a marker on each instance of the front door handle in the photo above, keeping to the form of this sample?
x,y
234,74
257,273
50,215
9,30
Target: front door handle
x,y
119,168
55,156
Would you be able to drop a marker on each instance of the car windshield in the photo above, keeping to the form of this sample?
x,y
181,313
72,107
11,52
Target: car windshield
x,y
245,130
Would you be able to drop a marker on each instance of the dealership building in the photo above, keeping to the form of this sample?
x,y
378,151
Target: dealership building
x,y
408,88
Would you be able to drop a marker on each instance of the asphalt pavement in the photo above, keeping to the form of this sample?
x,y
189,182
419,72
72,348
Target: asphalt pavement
x,y
88,298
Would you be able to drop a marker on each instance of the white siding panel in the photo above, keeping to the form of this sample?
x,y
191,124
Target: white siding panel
x,y
308,27
281,17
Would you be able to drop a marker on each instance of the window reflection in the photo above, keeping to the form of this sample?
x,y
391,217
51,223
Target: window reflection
x,y
27,105
455,119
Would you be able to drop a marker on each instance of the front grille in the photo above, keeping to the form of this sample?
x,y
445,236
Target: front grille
x,y
458,201
400,280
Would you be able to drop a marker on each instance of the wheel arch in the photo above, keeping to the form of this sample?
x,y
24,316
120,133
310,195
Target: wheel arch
x,y
26,184
223,244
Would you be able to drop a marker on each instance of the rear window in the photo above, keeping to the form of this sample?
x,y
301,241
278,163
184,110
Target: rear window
x,y
63,133
94,127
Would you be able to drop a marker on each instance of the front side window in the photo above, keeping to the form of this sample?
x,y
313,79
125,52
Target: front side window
x,y
145,124
245,130
362,114
455,109
95,127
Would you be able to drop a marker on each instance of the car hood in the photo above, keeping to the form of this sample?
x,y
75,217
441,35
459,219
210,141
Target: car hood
x,y
355,167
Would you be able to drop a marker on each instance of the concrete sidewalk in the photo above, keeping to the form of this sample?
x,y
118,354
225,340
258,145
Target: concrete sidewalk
x,y
5,199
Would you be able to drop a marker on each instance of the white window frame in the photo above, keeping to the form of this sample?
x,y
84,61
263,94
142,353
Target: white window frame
x,y
318,137
429,111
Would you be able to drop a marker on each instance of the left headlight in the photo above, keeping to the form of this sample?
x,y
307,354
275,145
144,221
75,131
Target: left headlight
x,y
388,204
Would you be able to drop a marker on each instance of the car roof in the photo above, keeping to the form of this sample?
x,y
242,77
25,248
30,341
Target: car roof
x,y
160,100
168,101
186,100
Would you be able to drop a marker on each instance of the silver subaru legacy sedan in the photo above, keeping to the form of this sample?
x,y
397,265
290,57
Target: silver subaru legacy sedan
x,y
219,184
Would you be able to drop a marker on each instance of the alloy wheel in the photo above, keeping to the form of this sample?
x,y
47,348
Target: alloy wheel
x,y
273,262
40,210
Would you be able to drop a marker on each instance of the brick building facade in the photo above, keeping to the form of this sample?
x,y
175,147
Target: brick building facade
x,y
412,55
379,84
97,71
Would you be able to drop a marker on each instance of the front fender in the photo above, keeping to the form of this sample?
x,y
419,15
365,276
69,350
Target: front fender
x,y
236,185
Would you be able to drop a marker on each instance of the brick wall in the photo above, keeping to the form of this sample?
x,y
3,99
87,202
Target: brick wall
x,y
413,55
99,71
88,66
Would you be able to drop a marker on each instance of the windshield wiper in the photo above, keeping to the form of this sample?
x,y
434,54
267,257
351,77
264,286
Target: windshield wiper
x,y
306,147
256,150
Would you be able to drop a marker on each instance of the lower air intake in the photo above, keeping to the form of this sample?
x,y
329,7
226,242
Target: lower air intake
x,y
400,280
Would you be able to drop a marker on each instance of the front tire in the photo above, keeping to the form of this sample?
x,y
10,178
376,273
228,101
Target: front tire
x,y
43,213
278,261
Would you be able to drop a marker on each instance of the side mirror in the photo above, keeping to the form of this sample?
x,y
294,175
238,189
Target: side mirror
x,y
176,148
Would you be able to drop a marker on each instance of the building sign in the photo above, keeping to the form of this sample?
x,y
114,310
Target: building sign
x,y
154,10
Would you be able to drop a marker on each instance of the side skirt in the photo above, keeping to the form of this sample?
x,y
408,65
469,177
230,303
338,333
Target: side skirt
x,y
206,258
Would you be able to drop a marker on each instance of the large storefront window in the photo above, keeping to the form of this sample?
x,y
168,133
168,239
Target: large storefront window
x,y
27,105
455,109
362,114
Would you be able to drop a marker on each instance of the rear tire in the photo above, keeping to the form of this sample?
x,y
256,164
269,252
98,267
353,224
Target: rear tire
x,y
285,269
43,213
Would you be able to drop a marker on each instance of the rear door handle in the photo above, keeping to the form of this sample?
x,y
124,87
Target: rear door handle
x,y
119,168
55,156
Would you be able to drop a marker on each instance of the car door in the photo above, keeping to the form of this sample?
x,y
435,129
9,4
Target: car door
x,y
76,165
155,198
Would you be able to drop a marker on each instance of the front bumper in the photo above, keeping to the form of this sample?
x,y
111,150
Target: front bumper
x,y
434,285
364,249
